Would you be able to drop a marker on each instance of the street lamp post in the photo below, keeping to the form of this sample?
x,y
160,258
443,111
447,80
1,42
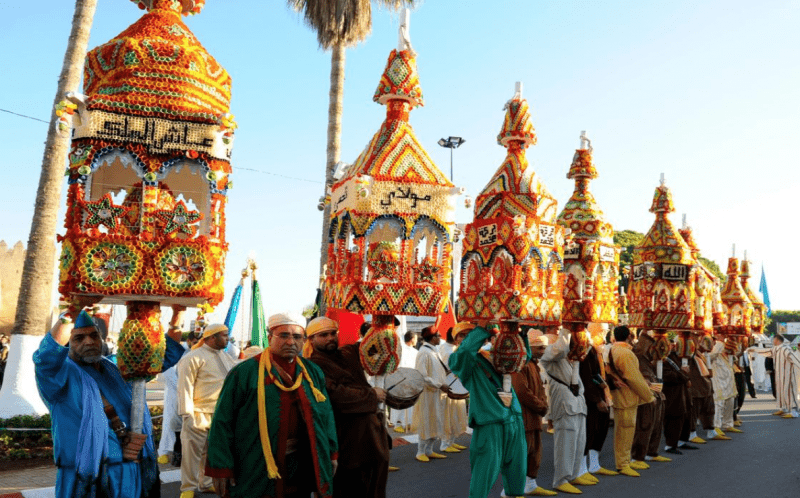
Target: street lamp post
x,y
452,143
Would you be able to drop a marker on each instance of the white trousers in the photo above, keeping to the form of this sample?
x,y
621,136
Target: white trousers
x,y
569,443
723,413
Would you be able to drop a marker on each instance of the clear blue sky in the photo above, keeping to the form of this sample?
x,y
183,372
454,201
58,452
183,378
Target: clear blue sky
x,y
706,92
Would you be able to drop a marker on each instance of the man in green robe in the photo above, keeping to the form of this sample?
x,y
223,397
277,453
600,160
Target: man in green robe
x,y
498,438
273,433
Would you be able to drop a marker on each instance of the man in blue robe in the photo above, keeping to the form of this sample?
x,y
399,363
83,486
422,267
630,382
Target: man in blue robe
x,y
79,386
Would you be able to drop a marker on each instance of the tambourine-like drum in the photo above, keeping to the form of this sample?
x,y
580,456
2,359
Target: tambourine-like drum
x,y
403,388
457,389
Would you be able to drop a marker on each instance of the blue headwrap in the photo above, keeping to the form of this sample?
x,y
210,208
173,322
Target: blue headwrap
x,y
84,320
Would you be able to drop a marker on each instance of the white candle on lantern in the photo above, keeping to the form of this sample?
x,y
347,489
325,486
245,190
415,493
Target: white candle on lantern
x,y
660,369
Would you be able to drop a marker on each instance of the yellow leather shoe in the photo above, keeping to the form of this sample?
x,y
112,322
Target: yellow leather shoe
x,y
540,491
436,456
393,469
628,471
420,458
582,481
737,423
399,428
459,447
721,438
452,449
778,413
719,431
785,415
639,465
187,494
660,458
551,431
734,430
163,459
606,472
697,440
569,488
588,477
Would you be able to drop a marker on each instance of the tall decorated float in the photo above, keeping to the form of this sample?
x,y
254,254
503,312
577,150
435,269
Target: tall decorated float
x,y
591,258
759,315
513,252
707,304
149,174
393,216
661,291
737,310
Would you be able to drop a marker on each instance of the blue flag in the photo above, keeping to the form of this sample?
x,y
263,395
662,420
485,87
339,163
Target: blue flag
x,y
762,288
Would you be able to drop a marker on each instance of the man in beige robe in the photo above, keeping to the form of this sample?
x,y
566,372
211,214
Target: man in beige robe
x,y
429,410
724,389
455,410
201,373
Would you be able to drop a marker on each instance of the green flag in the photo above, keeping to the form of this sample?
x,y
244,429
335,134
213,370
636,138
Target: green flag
x,y
258,335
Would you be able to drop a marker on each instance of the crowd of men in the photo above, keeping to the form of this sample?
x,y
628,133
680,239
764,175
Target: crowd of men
x,y
303,418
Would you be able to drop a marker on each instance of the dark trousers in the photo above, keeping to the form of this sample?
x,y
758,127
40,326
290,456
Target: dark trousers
x,y
647,438
597,424
534,440
740,392
366,481
676,429
702,410
748,382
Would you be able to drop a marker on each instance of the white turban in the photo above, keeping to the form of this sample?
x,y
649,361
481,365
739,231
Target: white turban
x,y
286,318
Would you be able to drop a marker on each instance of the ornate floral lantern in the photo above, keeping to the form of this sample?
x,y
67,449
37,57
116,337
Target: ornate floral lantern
x,y
393,215
759,309
662,285
591,258
148,178
737,309
707,304
512,264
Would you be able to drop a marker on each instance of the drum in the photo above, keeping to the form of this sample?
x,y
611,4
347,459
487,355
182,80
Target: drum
x,y
457,389
403,388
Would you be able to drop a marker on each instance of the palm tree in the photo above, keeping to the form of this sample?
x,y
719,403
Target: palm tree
x,y
19,394
339,24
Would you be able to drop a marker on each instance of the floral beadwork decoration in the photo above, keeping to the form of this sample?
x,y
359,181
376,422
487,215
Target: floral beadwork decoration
x,y
110,266
183,268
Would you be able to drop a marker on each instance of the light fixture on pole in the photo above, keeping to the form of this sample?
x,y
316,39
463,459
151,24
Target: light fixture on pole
x,y
451,143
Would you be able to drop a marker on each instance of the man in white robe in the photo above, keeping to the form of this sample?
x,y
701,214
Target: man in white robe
x,y
567,411
724,389
402,419
455,410
786,364
429,410
201,373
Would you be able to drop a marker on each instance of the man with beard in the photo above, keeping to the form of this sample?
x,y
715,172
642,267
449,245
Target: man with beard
x,y
274,409
527,384
650,416
90,405
363,441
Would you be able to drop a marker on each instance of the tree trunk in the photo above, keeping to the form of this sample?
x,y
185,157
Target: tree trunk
x,y
33,304
336,96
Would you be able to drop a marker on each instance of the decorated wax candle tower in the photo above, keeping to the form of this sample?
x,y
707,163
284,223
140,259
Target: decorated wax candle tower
x,y
511,268
393,215
148,178
707,304
661,289
591,259
759,309
737,309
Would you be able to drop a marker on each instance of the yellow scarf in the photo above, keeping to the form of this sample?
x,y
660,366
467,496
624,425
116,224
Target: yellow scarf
x,y
265,364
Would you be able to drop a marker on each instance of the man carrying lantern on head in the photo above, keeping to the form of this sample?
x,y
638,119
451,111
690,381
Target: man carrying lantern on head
x,y
360,420
274,409
495,415
90,404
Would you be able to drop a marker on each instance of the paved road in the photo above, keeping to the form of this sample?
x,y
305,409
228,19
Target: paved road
x,y
762,462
